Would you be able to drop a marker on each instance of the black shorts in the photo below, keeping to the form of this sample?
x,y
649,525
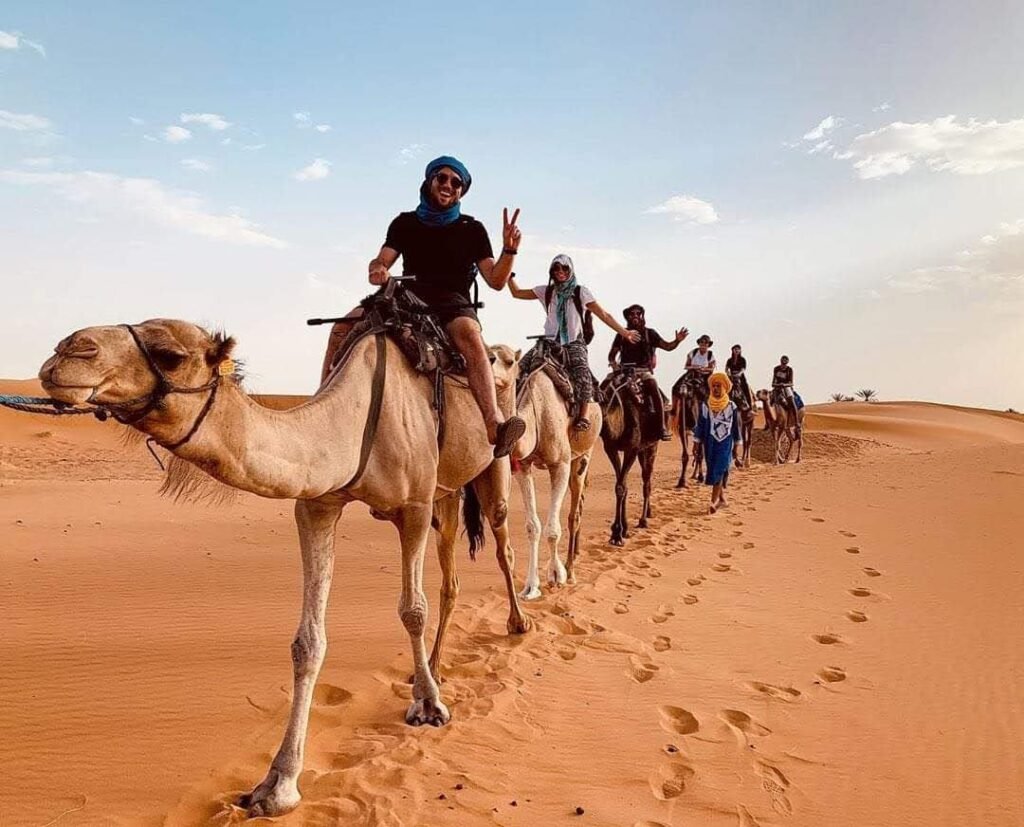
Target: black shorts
x,y
446,305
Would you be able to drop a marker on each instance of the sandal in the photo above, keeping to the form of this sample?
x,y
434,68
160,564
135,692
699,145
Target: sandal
x,y
509,433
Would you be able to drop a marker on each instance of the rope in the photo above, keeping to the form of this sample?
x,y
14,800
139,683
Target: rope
x,y
45,405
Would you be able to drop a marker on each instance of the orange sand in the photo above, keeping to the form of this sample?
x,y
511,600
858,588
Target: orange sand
x,y
840,647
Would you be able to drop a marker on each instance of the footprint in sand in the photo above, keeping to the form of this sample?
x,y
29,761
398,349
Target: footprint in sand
x,y
742,722
737,534
678,720
771,690
654,573
663,614
805,508
620,609
662,643
629,586
721,567
775,784
870,572
690,599
832,674
748,545
853,550
745,818
640,564
567,653
846,533
856,616
670,781
736,523
640,671
817,519
827,639
695,581
326,695
725,555
860,591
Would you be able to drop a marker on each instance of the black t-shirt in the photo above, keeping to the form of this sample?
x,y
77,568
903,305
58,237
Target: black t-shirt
x,y
783,375
734,364
642,353
444,258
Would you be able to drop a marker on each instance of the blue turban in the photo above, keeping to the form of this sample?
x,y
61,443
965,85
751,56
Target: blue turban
x,y
426,211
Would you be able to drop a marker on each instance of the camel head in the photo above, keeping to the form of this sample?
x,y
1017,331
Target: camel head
x,y
763,395
505,364
106,366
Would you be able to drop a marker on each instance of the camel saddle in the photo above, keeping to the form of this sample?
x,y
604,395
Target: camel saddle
x,y
555,365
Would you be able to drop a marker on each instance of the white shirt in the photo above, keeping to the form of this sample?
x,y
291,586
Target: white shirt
x,y
572,318
701,360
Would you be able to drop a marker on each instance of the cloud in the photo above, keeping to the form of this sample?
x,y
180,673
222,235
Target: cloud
x,y
22,122
195,164
323,127
885,106
945,144
687,209
252,147
176,134
148,198
302,119
823,128
314,172
15,40
411,152
136,121
215,122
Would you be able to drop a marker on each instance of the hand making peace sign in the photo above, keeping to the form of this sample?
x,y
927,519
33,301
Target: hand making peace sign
x,y
511,235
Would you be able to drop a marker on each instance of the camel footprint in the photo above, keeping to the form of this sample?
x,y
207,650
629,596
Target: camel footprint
x,y
870,572
663,614
771,690
743,723
775,784
662,643
677,720
857,616
642,671
827,639
832,674
670,780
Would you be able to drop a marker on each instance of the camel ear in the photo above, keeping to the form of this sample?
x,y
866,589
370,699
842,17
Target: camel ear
x,y
220,349
519,354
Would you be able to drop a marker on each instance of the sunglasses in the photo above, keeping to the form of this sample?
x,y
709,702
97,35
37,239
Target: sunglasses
x,y
444,178
560,268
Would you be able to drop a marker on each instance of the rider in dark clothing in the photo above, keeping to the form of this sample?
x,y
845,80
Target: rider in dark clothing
x,y
736,369
641,355
782,388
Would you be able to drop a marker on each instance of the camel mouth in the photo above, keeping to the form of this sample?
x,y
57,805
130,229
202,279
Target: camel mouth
x,y
70,394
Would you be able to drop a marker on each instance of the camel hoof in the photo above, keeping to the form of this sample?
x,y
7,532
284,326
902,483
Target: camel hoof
x,y
531,593
426,712
681,484
642,523
617,542
556,578
273,797
519,625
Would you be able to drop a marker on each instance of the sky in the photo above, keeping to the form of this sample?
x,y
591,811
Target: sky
x,y
840,182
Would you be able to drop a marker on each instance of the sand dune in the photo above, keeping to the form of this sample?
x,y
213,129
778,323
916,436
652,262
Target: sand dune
x,y
836,648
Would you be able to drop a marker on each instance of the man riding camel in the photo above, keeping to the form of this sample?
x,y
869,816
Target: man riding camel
x,y
700,364
445,250
566,302
641,355
782,389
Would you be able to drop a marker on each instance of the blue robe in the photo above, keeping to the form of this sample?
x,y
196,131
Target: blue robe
x,y
717,432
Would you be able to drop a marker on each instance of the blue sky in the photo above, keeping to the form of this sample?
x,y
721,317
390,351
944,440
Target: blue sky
x,y
845,184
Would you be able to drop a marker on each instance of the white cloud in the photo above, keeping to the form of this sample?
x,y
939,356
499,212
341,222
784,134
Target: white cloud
x,y
215,122
252,147
176,134
885,106
314,172
823,128
136,121
411,152
302,119
22,122
195,164
971,147
148,198
323,127
686,208
15,40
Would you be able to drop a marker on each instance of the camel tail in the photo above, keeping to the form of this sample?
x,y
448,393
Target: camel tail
x,y
473,517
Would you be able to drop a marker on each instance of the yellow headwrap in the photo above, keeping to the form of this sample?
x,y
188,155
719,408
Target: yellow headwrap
x,y
718,402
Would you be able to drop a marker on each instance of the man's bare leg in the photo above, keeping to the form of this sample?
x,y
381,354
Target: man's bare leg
x,y
465,334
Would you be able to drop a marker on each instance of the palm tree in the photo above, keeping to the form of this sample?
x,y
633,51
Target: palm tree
x,y
838,397
867,394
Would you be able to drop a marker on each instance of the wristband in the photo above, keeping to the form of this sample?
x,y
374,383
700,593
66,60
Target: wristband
x,y
508,251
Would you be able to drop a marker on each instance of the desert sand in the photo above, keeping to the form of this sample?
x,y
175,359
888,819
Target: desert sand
x,y
841,646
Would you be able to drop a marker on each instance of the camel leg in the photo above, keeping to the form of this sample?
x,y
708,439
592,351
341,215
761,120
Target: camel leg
x,y
553,530
684,439
531,590
620,496
279,792
492,488
647,458
413,523
627,464
446,511
579,474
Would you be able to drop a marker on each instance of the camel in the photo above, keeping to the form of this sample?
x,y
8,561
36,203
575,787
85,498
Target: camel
x,y
685,407
747,417
628,435
553,443
174,382
778,419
